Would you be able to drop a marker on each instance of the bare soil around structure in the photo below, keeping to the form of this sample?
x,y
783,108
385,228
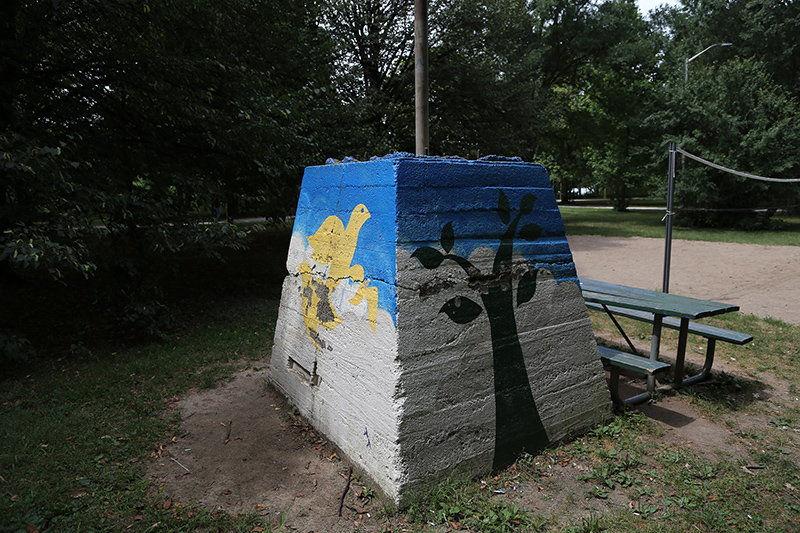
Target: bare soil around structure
x,y
242,450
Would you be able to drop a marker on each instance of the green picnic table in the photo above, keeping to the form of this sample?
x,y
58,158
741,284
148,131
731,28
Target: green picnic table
x,y
661,309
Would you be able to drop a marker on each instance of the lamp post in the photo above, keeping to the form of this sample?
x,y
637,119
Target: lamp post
x,y
686,64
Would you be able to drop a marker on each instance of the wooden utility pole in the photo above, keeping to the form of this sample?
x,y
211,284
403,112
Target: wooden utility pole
x,y
421,75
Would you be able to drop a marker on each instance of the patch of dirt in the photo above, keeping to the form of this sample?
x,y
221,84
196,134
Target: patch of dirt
x,y
761,280
241,450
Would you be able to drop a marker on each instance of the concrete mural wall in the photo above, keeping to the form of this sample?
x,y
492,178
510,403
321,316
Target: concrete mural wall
x,y
430,320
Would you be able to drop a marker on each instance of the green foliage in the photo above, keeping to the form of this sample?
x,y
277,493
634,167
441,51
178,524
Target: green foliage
x,y
14,346
734,105
737,117
650,223
121,121
458,502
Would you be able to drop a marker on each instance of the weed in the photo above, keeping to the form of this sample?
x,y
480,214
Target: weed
x,y
459,502
591,524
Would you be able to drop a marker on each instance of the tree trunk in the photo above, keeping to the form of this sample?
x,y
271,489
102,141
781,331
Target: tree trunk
x,y
519,428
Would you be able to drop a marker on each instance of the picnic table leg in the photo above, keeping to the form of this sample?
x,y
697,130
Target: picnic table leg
x,y
614,387
679,359
622,331
712,344
655,345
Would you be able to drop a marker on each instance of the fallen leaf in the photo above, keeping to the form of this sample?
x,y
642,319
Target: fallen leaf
x,y
455,525
167,504
15,498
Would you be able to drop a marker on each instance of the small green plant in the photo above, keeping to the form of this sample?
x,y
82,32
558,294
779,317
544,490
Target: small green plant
x,y
459,502
608,430
590,524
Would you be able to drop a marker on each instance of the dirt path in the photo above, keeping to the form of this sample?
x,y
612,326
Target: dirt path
x,y
761,280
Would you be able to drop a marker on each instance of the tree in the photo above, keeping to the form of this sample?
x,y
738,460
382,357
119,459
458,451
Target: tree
x,y
736,117
121,119
764,30
730,109
519,427
486,91
373,43
622,93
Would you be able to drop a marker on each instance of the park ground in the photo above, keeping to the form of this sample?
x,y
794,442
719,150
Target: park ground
x,y
186,434
277,465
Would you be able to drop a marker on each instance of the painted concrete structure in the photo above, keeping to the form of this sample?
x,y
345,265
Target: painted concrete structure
x,y
430,319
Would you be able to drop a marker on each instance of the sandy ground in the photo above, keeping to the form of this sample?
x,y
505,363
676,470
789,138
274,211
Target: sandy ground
x,y
761,280
240,448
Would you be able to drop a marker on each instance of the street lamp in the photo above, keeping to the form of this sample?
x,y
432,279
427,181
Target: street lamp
x,y
686,65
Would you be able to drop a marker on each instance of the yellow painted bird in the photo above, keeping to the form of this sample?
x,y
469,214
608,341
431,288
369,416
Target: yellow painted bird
x,y
334,245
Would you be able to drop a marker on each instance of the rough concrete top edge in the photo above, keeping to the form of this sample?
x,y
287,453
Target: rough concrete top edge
x,y
397,156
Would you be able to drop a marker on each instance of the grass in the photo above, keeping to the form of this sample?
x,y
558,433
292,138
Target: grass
x,y
77,431
648,223
79,423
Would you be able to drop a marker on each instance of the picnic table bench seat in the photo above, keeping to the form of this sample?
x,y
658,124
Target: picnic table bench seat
x,y
623,360
711,333
661,309
618,360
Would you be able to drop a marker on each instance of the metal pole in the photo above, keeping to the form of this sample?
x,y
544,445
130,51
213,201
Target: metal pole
x,y
655,343
668,216
421,75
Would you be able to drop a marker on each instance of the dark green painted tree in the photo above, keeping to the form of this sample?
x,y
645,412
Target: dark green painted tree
x,y
518,426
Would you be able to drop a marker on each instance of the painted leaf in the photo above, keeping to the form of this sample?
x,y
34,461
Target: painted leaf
x,y
429,257
530,232
461,310
504,208
526,206
448,237
526,288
